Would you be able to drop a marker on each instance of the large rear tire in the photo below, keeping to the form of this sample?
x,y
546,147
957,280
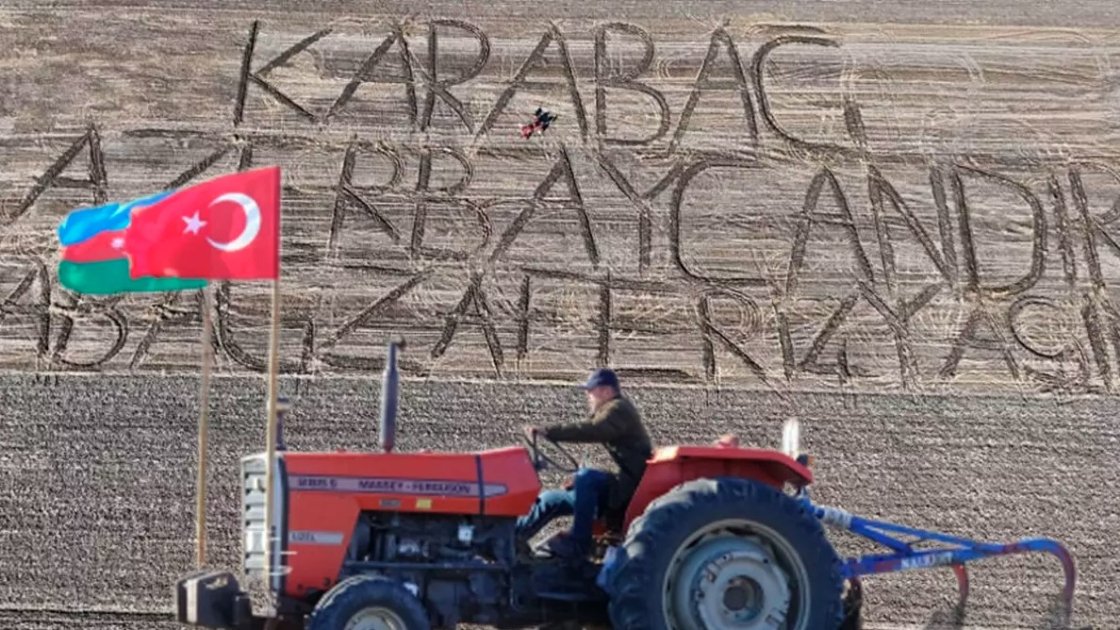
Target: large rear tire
x,y
369,602
726,553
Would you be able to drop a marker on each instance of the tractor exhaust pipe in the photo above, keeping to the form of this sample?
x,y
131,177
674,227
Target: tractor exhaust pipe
x,y
791,437
390,386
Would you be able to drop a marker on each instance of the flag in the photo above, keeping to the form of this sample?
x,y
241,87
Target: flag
x,y
226,228
93,259
82,224
110,277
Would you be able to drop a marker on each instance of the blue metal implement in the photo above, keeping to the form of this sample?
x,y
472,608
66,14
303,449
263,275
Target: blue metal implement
x,y
952,552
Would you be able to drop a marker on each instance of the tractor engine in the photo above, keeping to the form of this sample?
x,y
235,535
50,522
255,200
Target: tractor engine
x,y
388,536
459,564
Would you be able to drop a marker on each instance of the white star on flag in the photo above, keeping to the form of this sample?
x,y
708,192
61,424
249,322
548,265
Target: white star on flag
x,y
194,224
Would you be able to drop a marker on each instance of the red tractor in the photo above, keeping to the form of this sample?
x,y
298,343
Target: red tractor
x,y
715,537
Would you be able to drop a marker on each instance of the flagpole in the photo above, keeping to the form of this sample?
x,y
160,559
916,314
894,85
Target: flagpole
x,y
270,479
273,371
203,429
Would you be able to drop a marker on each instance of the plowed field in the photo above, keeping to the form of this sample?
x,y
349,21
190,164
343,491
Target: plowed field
x,y
892,220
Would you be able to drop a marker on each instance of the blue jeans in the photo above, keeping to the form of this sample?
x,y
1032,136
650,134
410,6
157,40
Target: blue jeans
x,y
581,503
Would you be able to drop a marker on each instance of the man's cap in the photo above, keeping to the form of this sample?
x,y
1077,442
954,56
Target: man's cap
x,y
601,376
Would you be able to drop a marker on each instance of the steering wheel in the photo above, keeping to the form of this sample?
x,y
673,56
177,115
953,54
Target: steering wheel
x,y
542,461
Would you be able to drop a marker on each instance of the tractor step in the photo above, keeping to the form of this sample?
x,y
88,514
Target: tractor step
x,y
567,581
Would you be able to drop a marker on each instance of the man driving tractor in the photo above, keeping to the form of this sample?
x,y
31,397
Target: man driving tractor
x,y
616,424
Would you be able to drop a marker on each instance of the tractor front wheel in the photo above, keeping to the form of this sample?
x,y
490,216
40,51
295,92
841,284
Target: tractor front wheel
x,y
369,602
726,553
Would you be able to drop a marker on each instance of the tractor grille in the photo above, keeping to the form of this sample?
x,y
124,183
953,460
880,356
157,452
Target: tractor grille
x,y
254,481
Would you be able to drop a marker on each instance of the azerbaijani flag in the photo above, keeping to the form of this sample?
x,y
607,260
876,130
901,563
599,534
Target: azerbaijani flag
x,y
93,258
226,228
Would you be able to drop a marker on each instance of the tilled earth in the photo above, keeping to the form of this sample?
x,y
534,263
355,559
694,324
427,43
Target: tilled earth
x,y
817,207
97,487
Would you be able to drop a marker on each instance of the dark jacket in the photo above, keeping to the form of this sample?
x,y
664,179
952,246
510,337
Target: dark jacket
x,y
617,425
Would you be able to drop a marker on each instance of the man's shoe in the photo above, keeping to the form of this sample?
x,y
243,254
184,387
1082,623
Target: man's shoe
x,y
562,545
522,548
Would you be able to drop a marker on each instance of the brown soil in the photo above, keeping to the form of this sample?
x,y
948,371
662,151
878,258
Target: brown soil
x,y
894,220
98,486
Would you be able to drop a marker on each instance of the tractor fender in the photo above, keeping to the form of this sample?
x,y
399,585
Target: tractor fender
x,y
675,465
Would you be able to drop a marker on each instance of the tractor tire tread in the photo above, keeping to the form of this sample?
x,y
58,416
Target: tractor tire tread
x,y
654,535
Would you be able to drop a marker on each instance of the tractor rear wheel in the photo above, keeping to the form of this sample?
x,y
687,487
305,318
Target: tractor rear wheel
x,y
369,602
726,553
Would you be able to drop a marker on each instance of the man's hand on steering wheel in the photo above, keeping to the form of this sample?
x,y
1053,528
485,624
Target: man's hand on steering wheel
x,y
542,461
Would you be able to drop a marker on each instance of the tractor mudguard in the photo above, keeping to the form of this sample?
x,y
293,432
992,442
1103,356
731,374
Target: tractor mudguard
x,y
669,467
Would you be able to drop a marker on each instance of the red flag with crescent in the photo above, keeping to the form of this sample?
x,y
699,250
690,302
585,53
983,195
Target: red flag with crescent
x,y
226,228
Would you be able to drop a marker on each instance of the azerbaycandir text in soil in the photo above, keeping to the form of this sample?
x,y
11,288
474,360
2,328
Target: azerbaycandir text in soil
x,y
1063,230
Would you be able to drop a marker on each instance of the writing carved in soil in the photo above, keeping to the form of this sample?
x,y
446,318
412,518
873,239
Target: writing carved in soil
x,y
732,241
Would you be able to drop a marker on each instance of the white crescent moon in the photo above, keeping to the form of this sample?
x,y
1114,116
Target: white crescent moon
x,y
252,222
